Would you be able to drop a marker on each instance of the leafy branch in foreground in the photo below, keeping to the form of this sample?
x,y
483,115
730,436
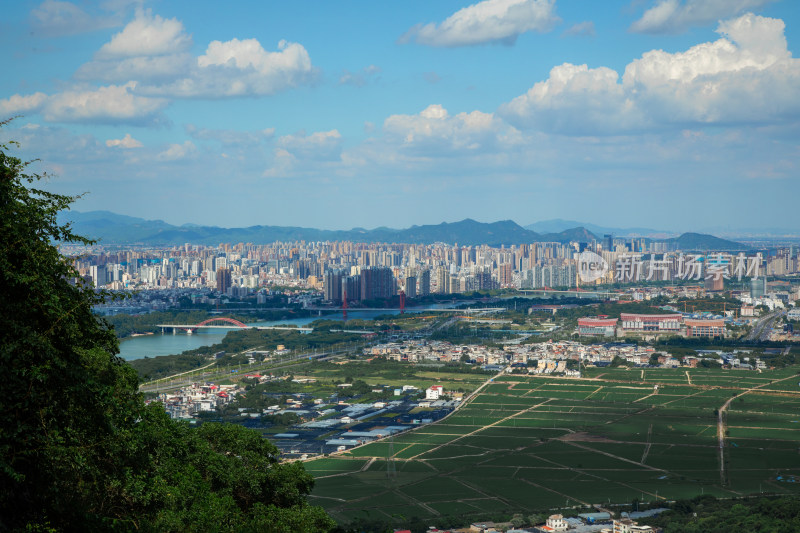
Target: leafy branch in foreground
x,y
78,447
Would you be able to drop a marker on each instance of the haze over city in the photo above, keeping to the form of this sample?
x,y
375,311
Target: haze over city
x,y
676,115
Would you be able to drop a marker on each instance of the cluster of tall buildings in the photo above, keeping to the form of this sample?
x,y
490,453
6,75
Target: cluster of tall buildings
x,y
368,283
368,271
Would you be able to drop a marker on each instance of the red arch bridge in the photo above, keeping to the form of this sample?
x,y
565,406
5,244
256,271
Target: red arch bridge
x,y
227,323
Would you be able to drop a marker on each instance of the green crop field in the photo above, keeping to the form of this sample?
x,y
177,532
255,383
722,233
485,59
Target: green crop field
x,y
528,444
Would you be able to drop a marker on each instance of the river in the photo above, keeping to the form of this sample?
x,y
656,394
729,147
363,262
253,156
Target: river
x,y
167,344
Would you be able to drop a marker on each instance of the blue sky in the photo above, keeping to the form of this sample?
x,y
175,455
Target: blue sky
x,y
672,114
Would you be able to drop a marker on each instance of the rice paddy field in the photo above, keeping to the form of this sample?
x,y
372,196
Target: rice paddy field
x,y
526,444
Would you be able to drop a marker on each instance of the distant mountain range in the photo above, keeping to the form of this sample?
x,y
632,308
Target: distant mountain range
x,y
559,224
111,228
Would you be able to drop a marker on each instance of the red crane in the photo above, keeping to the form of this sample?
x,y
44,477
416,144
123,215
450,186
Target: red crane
x,y
344,305
402,302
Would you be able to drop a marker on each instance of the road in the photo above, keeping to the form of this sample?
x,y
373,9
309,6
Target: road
x,y
763,326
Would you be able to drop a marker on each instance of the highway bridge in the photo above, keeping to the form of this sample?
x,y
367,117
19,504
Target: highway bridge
x,y
229,323
413,309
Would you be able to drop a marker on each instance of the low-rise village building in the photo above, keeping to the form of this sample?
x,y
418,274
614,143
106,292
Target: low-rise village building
x,y
554,522
434,392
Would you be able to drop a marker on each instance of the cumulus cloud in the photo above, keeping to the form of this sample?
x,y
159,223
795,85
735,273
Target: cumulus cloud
x,y
56,18
175,152
748,75
490,21
147,35
150,48
113,103
148,63
676,16
17,104
126,142
574,98
435,130
240,68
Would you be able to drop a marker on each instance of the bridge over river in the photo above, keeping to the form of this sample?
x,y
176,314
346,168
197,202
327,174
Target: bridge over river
x,y
229,323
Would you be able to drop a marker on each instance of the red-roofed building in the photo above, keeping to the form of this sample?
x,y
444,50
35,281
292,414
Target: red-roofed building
x,y
597,326
651,324
434,392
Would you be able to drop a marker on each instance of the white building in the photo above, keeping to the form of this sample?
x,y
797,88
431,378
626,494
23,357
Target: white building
x,y
556,522
434,392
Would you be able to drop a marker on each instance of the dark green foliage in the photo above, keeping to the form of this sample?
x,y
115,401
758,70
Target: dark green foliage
x,y
707,515
78,448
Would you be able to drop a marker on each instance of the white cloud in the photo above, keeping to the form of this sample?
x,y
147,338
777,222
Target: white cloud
x,y
17,104
113,103
55,18
240,68
489,21
125,142
748,75
434,130
143,68
175,152
320,145
147,35
574,99
149,49
676,16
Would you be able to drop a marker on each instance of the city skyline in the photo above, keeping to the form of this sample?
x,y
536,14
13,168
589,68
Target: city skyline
x,y
621,114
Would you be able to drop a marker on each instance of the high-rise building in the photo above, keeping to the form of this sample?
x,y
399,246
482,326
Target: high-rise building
x,y
505,274
351,287
376,283
442,280
99,275
425,282
608,242
411,287
332,286
223,280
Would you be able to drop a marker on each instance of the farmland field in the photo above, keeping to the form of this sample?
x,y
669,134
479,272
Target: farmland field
x,y
528,444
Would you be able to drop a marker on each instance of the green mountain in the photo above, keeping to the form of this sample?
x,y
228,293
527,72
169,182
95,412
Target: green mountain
x,y
111,228
579,234
701,242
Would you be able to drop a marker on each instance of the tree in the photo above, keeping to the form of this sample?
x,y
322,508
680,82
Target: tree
x,y
618,361
78,447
